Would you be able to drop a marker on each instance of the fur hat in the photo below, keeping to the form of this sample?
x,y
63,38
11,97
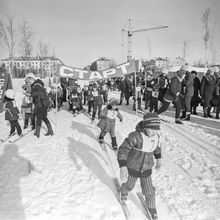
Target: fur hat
x,y
10,93
184,68
164,70
210,70
31,75
113,101
180,73
150,121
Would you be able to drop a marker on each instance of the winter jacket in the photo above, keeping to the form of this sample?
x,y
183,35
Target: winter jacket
x,y
207,88
137,152
11,111
108,117
163,81
188,85
90,95
39,94
97,97
74,100
196,92
174,88
27,104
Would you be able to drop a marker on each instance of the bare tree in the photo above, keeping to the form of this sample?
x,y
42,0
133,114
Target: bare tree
x,y
43,49
26,41
213,51
206,37
8,38
43,52
185,49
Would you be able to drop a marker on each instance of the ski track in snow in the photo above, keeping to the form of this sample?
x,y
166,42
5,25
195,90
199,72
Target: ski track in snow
x,y
71,178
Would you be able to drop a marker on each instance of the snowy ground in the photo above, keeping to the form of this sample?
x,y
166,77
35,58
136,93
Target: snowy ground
x,y
73,178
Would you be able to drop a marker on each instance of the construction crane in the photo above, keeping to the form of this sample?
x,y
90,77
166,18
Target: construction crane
x,y
130,33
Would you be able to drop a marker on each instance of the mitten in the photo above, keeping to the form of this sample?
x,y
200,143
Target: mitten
x,y
123,174
121,120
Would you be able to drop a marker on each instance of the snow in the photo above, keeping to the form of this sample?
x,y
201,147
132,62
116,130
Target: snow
x,y
68,176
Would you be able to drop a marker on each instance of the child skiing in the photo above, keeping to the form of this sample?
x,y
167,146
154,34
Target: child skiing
x,y
97,101
90,99
75,102
135,158
107,122
12,112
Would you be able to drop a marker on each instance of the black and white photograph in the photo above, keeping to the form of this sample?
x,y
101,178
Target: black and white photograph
x,y
109,110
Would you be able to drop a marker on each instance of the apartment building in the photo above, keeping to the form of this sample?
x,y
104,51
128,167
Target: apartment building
x,y
101,64
47,65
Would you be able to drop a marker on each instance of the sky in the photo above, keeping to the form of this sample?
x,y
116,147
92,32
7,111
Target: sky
x,y
79,32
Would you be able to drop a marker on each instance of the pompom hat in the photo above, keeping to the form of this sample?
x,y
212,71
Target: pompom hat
x,y
113,101
150,121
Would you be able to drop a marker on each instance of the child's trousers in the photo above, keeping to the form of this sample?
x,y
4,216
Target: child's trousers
x,y
15,124
148,190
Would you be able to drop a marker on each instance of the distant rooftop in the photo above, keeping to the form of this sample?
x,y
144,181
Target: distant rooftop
x,y
32,58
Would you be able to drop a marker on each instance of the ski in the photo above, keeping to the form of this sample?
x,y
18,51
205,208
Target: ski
x,y
142,200
102,144
5,139
19,137
124,204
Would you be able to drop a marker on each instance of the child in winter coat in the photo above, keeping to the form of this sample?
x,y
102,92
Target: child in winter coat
x,y
97,101
90,99
149,85
85,94
105,92
28,109
154,98
75,102
12,112
107,122
136,159
79,93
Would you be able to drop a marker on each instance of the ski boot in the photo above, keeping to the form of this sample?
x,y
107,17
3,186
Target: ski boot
x,y
153,213
123,199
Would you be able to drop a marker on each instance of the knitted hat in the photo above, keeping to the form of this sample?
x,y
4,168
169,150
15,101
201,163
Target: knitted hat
x,y
151,121
113,101
10,94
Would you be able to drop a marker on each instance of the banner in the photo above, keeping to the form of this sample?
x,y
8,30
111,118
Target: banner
x,y
120,70
5,83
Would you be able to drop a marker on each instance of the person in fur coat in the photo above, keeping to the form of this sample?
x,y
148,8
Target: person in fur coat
x,y
107,123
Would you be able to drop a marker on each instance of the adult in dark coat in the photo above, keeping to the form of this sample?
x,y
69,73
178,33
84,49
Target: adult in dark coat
x,y
172,95
207,88
216,95
195,100
125,87
163,83
187,94
41,103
